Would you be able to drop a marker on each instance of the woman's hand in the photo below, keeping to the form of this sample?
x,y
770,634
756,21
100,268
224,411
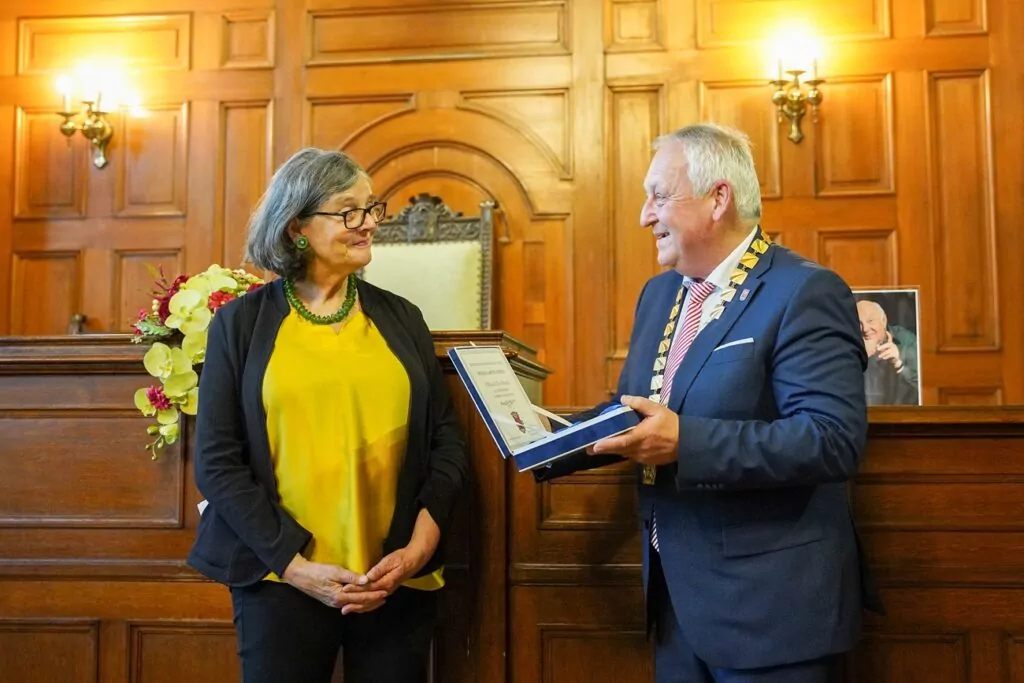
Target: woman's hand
x,y
327,583
388,574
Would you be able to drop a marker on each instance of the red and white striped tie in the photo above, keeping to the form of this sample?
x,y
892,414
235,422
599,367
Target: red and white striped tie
x,y
699,291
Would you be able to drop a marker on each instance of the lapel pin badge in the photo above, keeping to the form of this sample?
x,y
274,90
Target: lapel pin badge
x,y
743,294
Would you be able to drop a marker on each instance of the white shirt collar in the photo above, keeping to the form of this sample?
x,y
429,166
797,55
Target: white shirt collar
x,y
719,277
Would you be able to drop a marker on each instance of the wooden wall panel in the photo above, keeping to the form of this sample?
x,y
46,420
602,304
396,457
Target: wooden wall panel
x,y
863,257
593,500
53,651
729,22
151,42
922,505
637,116
955,17
353,35
577,531
855,138
1015,655
970,396
152,170
632,25
78,491
182,651
960,164
542,116
580,634
51,277
50,174
245,167
247,39
913,658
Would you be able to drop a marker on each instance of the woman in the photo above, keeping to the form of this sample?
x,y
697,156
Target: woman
x,y
326,445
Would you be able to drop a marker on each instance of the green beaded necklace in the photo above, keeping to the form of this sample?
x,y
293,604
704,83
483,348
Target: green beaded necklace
x,y
305,313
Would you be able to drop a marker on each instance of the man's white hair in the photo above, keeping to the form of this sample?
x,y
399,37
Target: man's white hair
x,y
878,309
714,152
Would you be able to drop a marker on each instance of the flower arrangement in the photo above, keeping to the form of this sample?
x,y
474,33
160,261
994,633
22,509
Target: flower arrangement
x,y
175,327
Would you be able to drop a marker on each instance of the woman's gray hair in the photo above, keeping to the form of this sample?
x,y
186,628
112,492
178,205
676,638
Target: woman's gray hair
x,y
299,187
714,153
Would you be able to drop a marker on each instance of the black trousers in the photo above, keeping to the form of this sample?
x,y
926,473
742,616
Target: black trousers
x,y
676,662
285,636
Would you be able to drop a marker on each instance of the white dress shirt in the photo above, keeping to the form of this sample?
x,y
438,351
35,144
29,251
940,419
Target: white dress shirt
x,y
719,277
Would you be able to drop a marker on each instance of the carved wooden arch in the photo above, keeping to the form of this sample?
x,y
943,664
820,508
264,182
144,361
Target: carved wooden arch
x,y
447,161
529,164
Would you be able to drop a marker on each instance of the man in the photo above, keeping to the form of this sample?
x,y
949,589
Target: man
x,y
891,376
746,363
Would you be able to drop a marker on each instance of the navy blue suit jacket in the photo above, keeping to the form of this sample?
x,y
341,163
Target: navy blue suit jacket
x,y
756,539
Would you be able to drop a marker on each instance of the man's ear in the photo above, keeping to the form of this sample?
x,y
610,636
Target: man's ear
x,y
721,193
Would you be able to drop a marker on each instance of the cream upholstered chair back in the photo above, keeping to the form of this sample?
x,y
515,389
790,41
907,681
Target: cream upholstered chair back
x,y
438,259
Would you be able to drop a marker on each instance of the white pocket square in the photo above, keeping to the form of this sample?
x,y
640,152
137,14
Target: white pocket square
x,y
748,340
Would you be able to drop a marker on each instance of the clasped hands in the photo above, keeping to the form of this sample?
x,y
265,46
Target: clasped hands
x,y
655,441
354,593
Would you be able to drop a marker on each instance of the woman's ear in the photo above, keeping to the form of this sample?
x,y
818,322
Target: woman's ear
x,y
293,229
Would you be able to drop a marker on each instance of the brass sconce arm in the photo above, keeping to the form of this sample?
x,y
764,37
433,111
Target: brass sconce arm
x,y
791,101
95,127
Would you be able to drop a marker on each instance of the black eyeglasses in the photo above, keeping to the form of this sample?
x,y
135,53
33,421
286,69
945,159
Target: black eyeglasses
x,y
354,218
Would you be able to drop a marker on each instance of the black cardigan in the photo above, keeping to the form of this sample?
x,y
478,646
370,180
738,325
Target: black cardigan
x,y
245,533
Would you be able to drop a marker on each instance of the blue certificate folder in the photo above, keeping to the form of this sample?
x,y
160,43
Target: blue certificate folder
x,y
511,418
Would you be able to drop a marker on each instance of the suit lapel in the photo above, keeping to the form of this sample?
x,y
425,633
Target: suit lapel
x,y
640,378
709,337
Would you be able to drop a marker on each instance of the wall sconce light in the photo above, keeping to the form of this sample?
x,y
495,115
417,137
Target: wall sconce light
x,y
790,98
92,121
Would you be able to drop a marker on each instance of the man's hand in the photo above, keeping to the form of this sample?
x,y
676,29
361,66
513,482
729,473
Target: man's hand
x,y
655,441
327,583
888,350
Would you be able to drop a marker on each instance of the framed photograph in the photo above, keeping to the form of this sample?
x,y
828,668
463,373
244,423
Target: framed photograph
x,y
889,323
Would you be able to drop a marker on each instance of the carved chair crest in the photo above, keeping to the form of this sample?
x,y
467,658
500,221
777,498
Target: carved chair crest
x,y
452,243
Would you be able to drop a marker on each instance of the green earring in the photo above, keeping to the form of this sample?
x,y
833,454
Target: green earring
x,y
301,243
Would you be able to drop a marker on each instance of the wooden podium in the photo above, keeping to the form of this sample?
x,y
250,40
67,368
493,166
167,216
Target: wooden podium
x,y
543,580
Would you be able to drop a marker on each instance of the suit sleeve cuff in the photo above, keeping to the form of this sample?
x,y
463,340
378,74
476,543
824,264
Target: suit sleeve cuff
x,y
691,470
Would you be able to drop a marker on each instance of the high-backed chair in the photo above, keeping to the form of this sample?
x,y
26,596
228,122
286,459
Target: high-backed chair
x,y
438,259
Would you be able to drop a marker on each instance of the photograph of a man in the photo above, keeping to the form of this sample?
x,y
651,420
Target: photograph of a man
x,y
889,324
